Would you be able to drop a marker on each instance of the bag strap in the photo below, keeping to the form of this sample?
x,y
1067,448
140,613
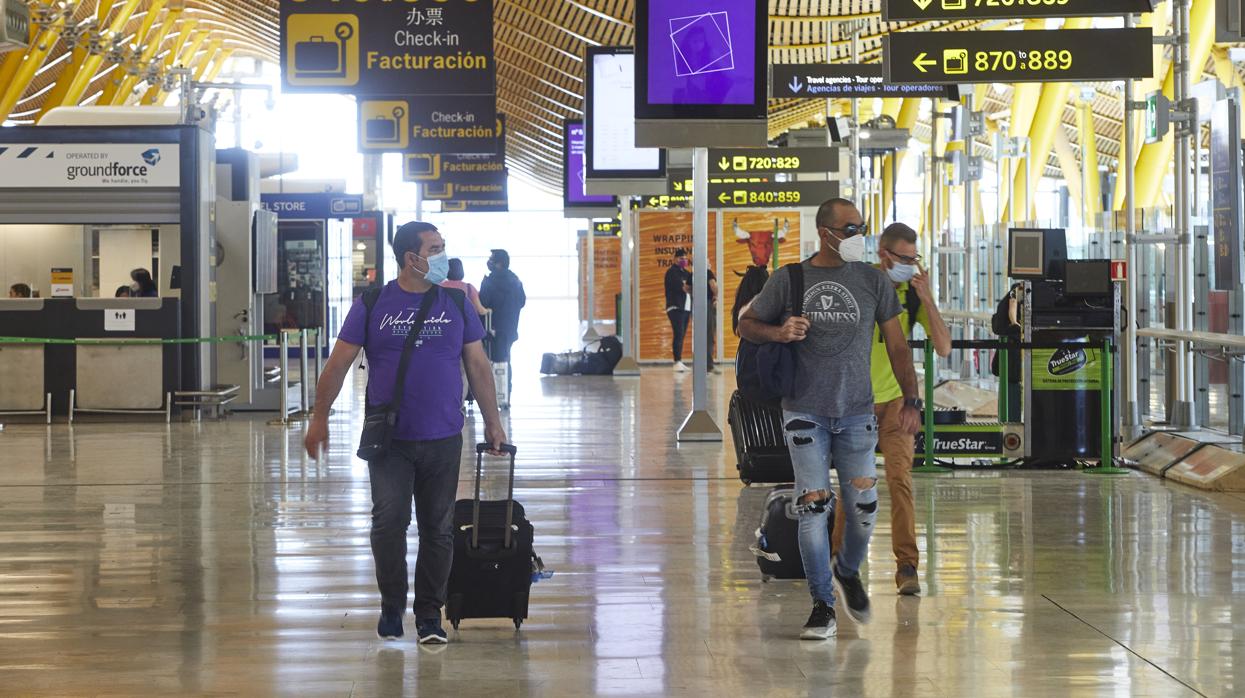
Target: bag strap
x,y
370,297
481,449
796,272
408,348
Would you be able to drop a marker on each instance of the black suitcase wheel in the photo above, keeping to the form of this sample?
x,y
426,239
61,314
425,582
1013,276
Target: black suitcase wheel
x,y
455,624
518,623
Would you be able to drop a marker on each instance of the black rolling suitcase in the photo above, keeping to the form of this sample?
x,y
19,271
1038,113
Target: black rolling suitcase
x,y
494,563
777,547
760,445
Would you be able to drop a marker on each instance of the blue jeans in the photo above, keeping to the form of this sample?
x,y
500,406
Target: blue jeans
x,y
847,444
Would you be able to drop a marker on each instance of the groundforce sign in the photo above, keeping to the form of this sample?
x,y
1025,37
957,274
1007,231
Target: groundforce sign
x,y
90,165
377,48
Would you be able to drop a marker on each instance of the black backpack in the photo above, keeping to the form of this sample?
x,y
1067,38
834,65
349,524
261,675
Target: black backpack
x,y
765,373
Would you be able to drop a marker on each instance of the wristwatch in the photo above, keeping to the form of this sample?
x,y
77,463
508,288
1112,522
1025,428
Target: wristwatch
x,y
915,403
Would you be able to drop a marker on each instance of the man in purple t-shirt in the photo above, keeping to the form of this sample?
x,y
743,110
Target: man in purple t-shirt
x,y
427,440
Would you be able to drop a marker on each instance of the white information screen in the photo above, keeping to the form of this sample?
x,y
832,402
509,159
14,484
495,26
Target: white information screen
x,y
613,117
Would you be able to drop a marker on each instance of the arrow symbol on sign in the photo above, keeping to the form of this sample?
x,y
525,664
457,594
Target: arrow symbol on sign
x,y
724,164
724,198
921,62
795,84
923,3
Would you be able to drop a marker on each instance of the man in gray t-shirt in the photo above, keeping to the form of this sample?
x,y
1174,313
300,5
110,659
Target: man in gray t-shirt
x,y
829,417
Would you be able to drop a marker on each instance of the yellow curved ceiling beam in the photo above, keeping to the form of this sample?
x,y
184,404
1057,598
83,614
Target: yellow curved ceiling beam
x,y
120,76
33,62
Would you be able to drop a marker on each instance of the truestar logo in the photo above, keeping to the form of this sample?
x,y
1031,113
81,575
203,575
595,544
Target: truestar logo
x,y
1067,361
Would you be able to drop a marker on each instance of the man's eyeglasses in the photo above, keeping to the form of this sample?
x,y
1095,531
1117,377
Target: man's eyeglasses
x,y
851,229
903,259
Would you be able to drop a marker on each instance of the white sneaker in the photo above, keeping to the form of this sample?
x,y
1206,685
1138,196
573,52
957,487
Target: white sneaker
x,y
680,367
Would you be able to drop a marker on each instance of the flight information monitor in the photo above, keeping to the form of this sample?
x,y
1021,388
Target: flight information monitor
x,y
574,198
610,121
701,59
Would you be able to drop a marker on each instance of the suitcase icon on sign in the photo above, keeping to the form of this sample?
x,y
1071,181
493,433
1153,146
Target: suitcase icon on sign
x,y
382,129
318,57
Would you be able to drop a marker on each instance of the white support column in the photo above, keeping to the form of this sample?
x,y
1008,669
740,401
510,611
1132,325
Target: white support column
x,y
699,425
626,328
1128,354
591,335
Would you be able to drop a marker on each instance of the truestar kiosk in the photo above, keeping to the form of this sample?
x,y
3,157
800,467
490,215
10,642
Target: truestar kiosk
x,y
1073,303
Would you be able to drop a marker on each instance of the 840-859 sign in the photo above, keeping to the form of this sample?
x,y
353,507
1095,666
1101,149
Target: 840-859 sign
x,y
1067,55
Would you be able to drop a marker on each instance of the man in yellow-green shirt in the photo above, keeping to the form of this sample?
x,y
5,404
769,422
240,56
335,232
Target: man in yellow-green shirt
x,y
898,257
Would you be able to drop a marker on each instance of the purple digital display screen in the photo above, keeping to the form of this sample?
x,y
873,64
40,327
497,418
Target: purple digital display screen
x,y
702,52
573,179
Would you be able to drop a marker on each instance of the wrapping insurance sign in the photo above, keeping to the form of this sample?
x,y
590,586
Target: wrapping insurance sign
x,y
378,48
89,165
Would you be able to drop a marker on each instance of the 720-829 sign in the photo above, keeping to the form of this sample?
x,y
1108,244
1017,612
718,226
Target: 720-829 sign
x,y
1066,55
918,10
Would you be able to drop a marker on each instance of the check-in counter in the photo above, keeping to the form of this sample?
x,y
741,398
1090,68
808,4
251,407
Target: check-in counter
x,y
100,377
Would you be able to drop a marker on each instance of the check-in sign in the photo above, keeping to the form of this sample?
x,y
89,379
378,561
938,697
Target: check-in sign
x,y
438,125
377,48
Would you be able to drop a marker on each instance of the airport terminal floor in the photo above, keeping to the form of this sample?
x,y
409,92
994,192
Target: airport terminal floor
x,y
214,558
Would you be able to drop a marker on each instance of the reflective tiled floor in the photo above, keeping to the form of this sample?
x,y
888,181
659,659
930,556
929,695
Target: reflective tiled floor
x,y
214,558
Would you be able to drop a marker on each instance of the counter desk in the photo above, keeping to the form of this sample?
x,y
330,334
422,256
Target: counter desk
x,y
89,377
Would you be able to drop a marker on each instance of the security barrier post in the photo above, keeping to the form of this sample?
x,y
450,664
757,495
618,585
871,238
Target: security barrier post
x,y
303,370
1106,463
284,362
928,467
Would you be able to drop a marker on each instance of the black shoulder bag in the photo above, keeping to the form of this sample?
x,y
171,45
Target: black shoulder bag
x,y
380,420
766,372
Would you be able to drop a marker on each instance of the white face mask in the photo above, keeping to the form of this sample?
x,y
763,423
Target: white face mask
x,y
901,273
851,249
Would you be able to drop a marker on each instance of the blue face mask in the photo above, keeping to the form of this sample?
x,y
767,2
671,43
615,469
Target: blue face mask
x,y
438,268
902,272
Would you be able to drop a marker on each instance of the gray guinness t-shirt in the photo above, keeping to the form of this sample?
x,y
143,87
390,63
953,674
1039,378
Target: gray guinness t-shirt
x,y
843,305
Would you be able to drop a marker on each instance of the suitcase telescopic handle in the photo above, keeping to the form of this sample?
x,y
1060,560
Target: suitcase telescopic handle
x,y
481,449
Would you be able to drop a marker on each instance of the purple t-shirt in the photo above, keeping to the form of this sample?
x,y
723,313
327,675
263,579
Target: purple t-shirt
x,y
431,408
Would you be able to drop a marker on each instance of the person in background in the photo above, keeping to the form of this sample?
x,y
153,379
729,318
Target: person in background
x,y
455,280
143,286
502,292
19,291
679,303
749,287
899,259
1006,325
713,319
123,292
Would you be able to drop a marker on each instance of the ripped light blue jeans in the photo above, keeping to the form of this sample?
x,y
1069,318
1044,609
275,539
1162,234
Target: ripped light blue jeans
x,y
847,444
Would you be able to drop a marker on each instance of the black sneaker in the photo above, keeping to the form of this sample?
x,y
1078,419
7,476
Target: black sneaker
x,y
390,625
821,623
431,632
852,594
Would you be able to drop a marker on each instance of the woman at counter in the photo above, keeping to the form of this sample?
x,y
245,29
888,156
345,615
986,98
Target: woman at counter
x,y
19,291
143,286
